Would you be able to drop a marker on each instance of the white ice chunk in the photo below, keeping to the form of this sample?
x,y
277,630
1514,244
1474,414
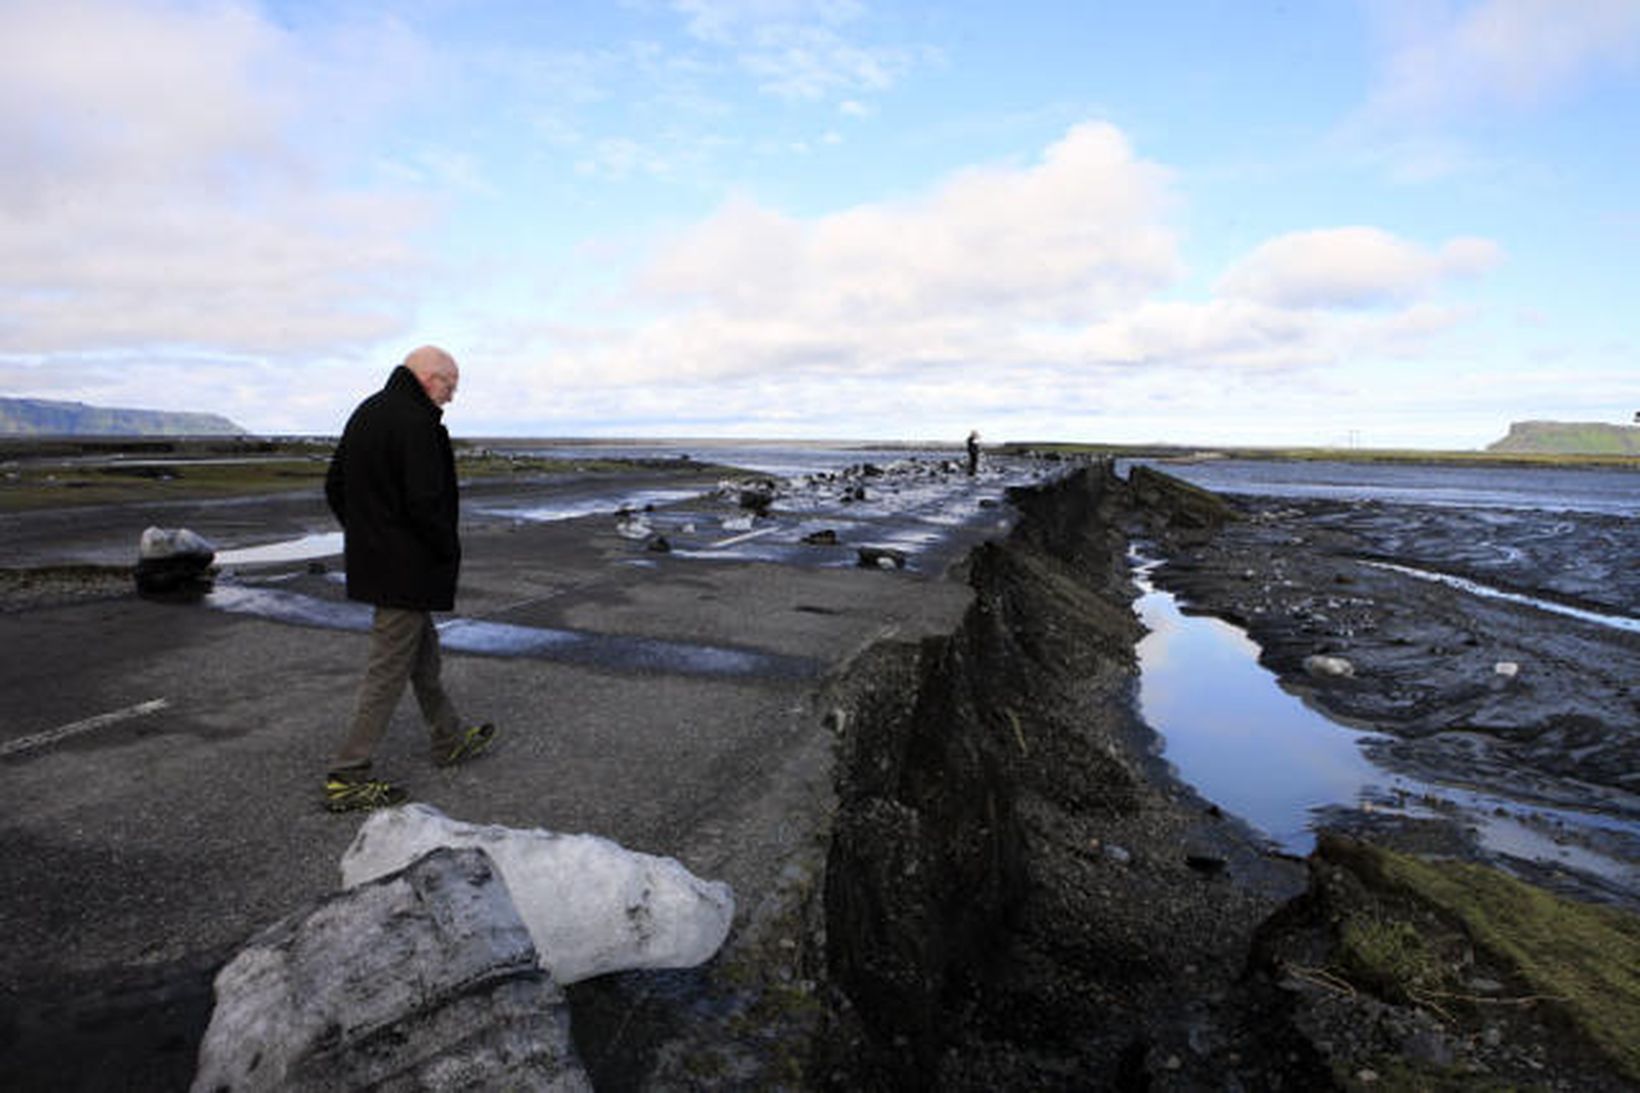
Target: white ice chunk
x,y
171,542
633,527
591,905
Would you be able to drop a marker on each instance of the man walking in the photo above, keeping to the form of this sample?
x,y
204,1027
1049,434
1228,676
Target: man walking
x,y
392,485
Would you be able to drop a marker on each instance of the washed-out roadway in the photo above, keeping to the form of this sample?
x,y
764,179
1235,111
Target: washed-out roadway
x,y
161,762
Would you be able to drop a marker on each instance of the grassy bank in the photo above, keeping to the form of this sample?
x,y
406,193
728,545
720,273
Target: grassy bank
x,y
37,484
1579,963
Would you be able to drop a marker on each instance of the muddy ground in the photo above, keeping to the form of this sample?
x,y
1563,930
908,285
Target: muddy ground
x,y
1535,710
1018,896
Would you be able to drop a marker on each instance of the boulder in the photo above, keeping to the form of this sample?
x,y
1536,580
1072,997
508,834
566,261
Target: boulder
x,y
758,496
423,979
591,905
172,560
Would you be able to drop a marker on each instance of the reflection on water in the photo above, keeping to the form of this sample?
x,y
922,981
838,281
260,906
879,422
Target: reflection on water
x,y
1476,588
328,544
499,639
1259,752
571,508
290,550
1233,733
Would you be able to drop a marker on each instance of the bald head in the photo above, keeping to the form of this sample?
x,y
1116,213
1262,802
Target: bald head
x,y
436,370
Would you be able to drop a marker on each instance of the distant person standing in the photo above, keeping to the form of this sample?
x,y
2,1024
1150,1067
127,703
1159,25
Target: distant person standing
x,y
973,452
392,485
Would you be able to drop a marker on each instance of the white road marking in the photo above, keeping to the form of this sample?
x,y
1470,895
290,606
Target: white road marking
x,y
63,732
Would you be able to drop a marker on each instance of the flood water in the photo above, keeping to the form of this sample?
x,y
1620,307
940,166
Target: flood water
x,y
1231,731
1609,490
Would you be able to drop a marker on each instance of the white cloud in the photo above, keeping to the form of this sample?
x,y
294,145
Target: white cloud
x,y
729,20
163,187
1013,293
619,158
1078,233
936,291
801,49
1517,52
813,62
1351,267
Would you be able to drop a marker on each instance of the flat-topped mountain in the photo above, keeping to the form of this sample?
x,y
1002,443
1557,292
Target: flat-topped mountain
x,y
43,417
1569,438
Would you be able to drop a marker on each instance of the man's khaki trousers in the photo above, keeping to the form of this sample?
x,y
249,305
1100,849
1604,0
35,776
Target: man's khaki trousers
x,y
403,648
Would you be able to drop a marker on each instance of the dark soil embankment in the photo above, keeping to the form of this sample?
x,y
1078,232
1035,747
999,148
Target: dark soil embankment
x,y
1016,898
1018,895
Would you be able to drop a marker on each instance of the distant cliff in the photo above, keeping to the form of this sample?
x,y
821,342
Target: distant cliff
x,y
40,417
1569,438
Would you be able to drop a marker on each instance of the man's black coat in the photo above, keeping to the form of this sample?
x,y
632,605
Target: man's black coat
x,y
392,484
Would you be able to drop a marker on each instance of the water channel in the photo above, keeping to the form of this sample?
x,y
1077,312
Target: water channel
x,y
1230,730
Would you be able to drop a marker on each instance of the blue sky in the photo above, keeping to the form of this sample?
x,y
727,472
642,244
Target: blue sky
x,y
1374,222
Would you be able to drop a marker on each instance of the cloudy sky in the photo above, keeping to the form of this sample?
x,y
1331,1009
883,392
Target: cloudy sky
x,y
1350,222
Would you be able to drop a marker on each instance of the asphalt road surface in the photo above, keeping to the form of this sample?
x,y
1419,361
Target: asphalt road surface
x,y
161,762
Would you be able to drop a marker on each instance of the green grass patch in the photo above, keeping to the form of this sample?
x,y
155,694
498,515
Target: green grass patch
x,y
1582,958
35,486
1391,957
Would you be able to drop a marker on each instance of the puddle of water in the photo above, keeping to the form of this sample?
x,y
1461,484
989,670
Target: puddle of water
x,y
328,544
1507,835
1258,751
1233,733
500,639
322,545
574,508
289,607
1464,584
616,651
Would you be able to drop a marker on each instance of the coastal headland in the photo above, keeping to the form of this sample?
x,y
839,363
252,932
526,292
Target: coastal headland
x,y
959,860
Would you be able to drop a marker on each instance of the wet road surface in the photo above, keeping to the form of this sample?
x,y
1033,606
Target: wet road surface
x,y
162,784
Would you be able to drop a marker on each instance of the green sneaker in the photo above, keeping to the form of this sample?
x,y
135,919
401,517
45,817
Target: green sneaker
x,y
349,792
469,745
